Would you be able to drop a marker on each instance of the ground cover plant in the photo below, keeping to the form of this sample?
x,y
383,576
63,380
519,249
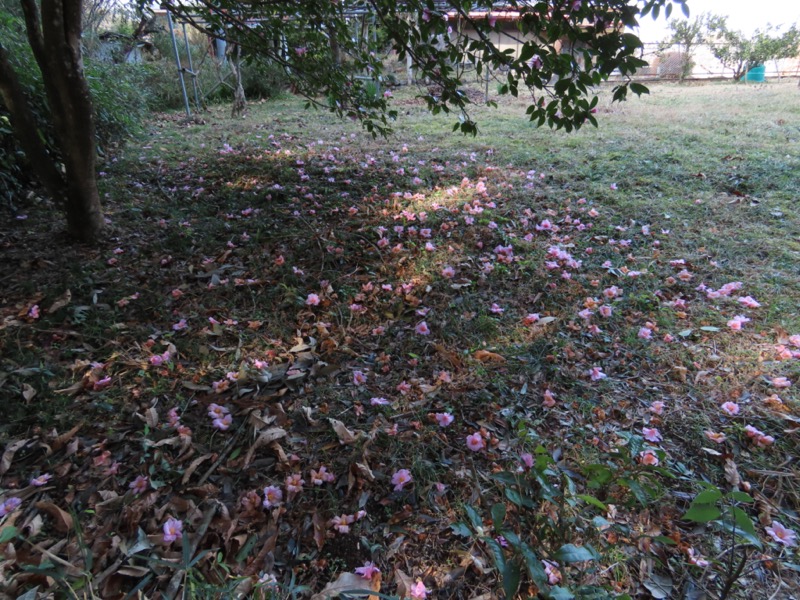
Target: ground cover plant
x,y
522,363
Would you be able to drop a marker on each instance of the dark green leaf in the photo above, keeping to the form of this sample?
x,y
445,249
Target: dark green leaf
x,y
570,553
741,496
8,534
498,516
512,575
707,497
702,513
461,529
474,518
593,501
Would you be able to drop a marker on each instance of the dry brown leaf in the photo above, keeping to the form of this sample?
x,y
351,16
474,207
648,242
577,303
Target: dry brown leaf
x,y
363,470
404,583
343,433
347,582
8,455
28,392
320,529
488,357
193,467
732,473
73,389
452,358
265,438
64,438
61,518
60,302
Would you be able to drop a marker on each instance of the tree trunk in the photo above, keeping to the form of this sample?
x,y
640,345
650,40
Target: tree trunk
x,y
239,100
55,38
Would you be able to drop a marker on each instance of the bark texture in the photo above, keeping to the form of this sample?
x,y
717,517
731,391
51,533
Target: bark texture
x,y
54,34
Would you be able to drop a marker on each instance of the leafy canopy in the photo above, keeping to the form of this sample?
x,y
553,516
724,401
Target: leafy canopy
x,y
566,47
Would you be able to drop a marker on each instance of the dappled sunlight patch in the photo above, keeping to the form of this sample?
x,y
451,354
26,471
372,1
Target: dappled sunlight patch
x,y
434,374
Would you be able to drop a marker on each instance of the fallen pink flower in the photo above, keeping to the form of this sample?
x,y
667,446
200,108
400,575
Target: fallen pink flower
x,y
173,530
475,442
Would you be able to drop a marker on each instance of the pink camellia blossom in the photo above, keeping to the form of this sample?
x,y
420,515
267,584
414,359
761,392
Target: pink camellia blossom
x,y
422,328
527,460
715,436
418,591
530,319
475,442
101,384
448,272
444,419
322,475
9,506
342,523
781,534
41,480
749,302
496,309
552,572
657,407
359,378
223,423
273,496
34,312
649,458
160,359
596,374
180,325
781,382
173,530
294,484
763,440
401,478
312,300
696,559
367,571
645,333
605,311
215,411
403,387
379,401
139,485
736,322
730,408
752,432
549,399
612,292
651,434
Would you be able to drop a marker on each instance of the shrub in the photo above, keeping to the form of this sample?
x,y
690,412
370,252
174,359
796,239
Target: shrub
x,y
118,94
261,80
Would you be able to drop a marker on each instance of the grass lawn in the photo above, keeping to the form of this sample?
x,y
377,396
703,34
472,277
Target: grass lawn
x,y
529,362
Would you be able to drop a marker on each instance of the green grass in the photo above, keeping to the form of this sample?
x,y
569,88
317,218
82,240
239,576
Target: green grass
x,y
247,217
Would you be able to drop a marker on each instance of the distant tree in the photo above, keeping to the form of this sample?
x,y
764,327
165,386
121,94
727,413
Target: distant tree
x,y
687,35
740,53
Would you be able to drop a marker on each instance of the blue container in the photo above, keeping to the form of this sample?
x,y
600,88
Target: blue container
x,y
755,75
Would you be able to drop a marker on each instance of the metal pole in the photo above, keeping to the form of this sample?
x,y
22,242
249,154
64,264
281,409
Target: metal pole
x,y
178,63
191,67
